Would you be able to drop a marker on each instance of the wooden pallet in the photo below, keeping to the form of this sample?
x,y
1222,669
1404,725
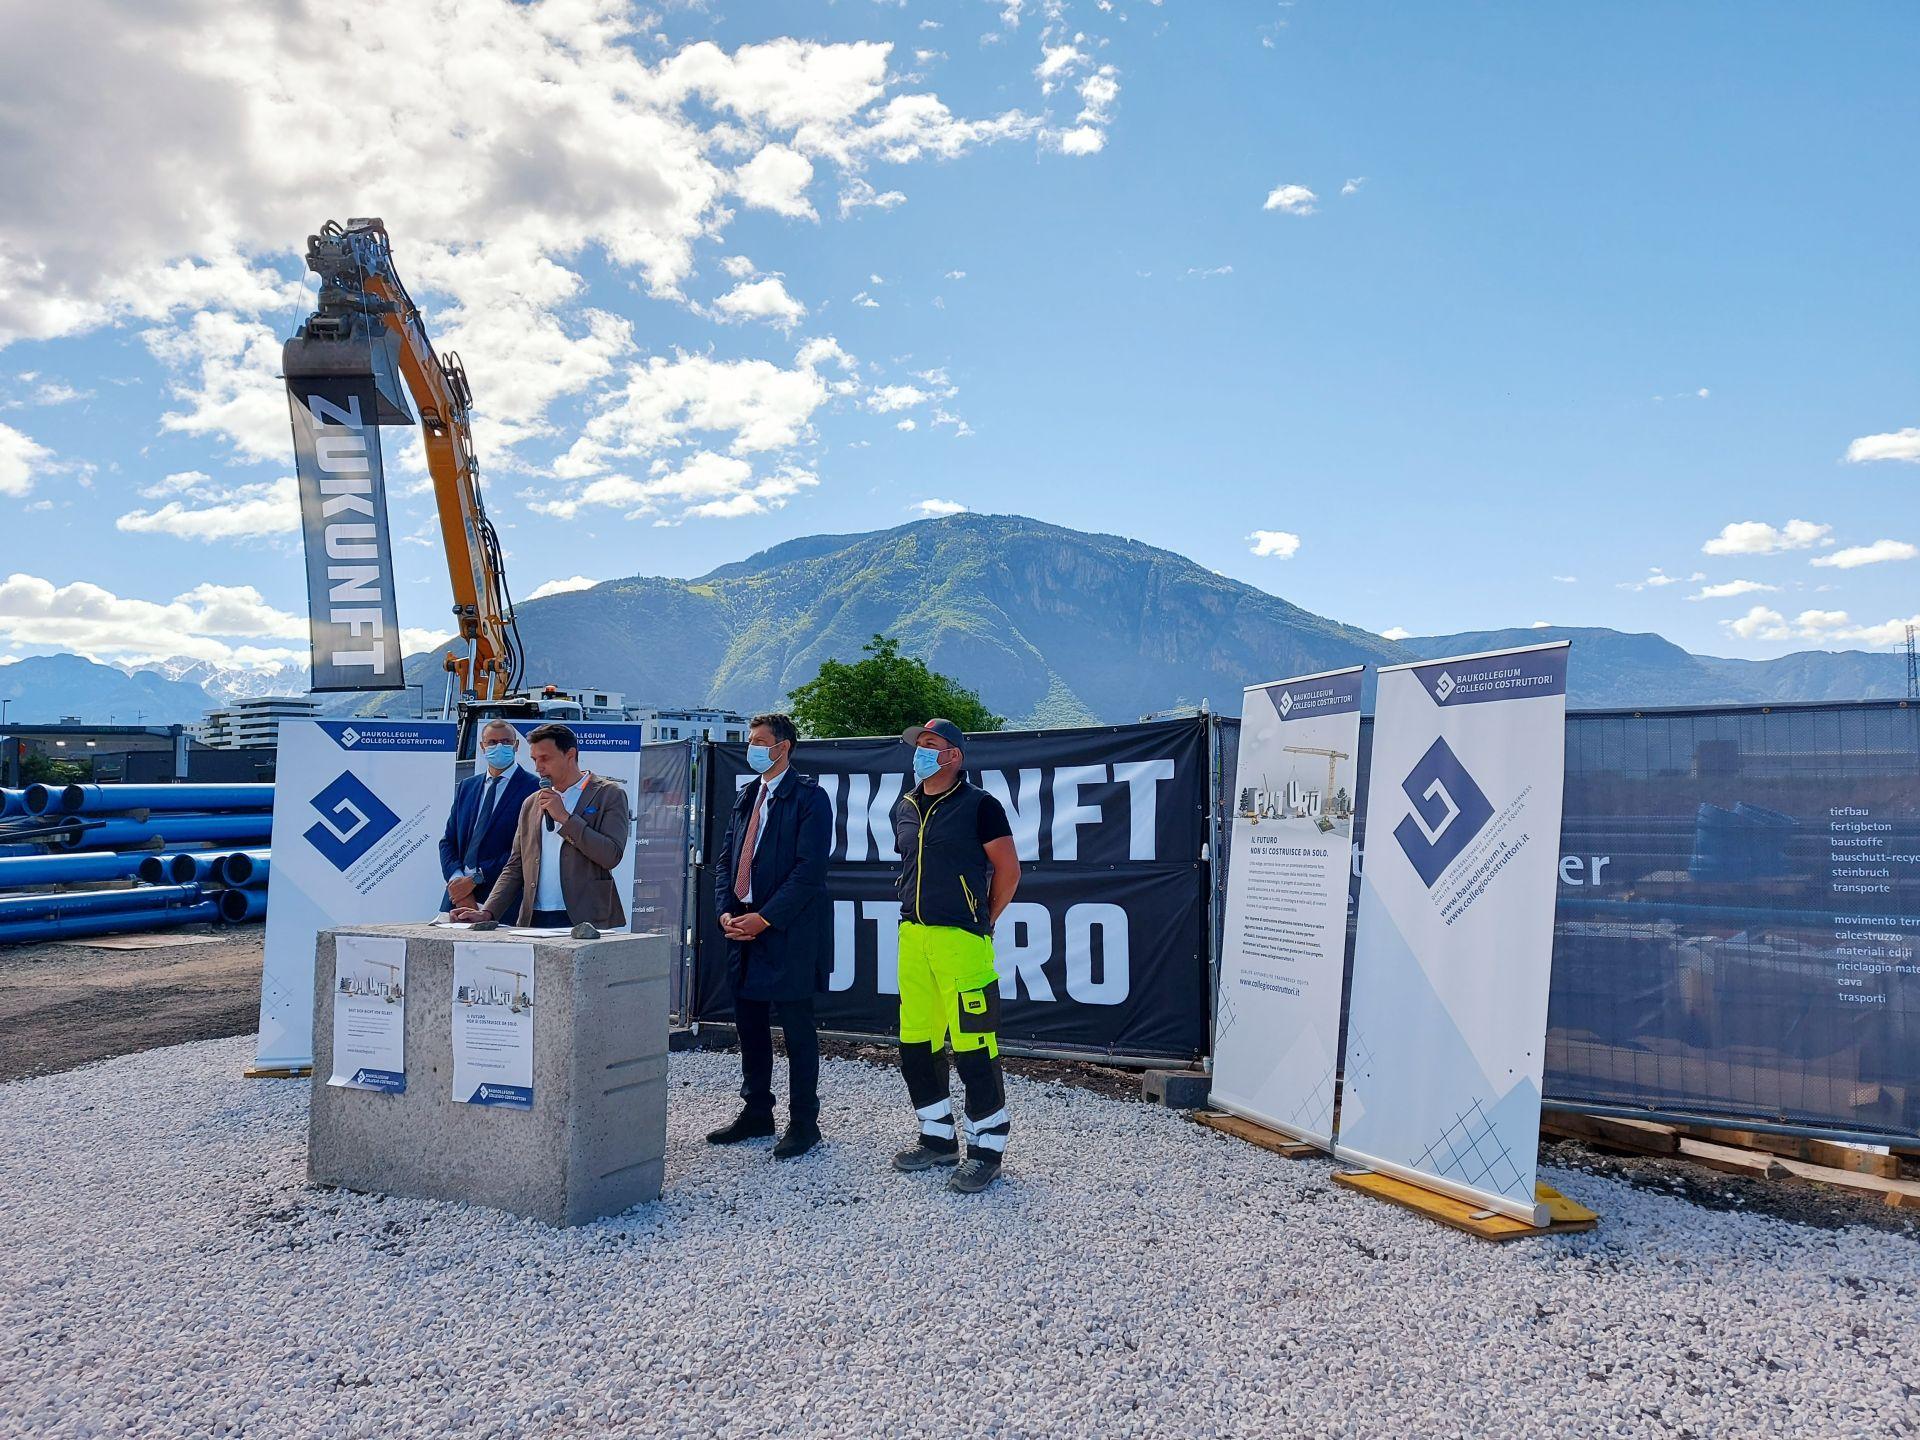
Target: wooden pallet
x,y
1255,1134
1568,1217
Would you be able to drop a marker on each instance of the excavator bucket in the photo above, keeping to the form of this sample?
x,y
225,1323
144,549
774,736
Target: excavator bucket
x,y
319,352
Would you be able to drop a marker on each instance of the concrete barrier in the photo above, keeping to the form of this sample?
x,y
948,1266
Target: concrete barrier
x,y
594,1142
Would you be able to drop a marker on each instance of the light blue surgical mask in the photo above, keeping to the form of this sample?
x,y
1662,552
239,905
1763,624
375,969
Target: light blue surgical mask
x,y
926,762
500,757
760,757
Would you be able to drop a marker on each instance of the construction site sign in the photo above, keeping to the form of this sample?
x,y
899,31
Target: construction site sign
x,y
353,615
1277,1016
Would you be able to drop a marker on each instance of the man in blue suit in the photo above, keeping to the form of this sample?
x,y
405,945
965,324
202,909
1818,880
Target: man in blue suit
x,y
480,826
770,891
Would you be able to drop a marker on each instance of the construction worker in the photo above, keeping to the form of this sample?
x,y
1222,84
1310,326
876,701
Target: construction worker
x,y
958,870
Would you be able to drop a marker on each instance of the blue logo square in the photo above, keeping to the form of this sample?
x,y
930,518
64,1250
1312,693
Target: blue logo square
x,y
1449,809
352,821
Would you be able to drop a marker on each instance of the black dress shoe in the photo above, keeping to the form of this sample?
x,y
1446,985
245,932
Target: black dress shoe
x,y
748,1125
801,1136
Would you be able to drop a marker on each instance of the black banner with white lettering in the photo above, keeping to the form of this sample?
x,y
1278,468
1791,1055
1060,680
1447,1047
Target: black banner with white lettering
x,y
352,614
1104,945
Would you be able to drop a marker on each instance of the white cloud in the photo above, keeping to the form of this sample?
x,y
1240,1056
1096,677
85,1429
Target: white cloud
x,y
1899,445
866,301
1879,551
203,624
765,299
738,267
1822,627
707,485
939,507
1293,199
21,458
227,371
884,398
1056,60
777,179
1282,544
1568,579
956,274
1352,187
1081,140
1702,393
859,194
1398,632
562,587
1097,95
237,512
1730,588
1755,537
1208,273
907,425
1656,578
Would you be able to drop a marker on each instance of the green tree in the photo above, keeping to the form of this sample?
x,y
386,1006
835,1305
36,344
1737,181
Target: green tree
x,y
882,695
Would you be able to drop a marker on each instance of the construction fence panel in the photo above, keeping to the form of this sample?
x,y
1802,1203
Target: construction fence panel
x,y
663,836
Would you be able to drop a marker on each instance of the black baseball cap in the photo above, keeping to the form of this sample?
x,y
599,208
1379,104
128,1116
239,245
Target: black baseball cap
x,y
945,729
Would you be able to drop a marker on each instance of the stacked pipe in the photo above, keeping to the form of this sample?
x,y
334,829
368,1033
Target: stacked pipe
x,y
172,839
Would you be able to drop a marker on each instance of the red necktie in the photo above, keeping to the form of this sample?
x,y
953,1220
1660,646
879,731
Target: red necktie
x,y
743,873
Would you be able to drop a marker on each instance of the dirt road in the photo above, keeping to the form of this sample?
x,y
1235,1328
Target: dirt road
x,y
63,1005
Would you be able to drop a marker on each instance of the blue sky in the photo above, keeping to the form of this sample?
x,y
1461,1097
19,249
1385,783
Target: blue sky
x,y
1586,306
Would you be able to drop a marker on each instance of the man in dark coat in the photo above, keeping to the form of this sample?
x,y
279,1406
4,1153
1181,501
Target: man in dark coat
x,y
770,891
479,834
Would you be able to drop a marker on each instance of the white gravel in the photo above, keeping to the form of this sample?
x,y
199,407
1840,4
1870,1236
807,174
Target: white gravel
x,y
163,1271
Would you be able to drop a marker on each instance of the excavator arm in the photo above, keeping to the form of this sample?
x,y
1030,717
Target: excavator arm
x,y
365,321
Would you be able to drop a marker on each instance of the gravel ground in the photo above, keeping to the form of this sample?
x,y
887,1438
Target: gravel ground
x,y
164,1271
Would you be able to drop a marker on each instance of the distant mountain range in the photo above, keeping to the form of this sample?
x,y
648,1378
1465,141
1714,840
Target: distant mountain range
x,y
1052,626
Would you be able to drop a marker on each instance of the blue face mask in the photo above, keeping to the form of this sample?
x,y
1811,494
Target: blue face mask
x,y
500,757
760,757
926,762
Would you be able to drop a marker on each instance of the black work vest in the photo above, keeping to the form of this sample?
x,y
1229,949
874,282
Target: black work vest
x,y
944,872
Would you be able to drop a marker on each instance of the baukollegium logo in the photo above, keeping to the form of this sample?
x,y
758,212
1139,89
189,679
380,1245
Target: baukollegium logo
x,y
1286,703
1444,686
1449,809
352,820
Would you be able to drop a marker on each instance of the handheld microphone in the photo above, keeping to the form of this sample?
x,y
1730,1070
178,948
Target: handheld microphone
x,y
546,784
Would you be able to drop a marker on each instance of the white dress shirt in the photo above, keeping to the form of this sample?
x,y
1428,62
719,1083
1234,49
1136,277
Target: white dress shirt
x,y
768,784
548,894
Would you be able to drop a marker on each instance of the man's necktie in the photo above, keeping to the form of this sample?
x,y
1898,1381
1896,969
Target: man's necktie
x,y
493,789
743,873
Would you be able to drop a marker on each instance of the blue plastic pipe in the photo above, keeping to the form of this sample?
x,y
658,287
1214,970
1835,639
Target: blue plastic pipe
x,y
12,802
59,869
111,922
177,868
174,830
244,869
110,799
96,902
238,905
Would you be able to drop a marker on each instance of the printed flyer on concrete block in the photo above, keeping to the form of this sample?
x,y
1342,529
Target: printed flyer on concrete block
x,y
358,810
1277,1015
370,1013
611,751
493,1023
1446,1027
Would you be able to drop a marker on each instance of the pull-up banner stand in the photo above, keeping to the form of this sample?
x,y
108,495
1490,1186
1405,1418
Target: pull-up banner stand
x,y
358,810
352,613
1453,954
1276,1029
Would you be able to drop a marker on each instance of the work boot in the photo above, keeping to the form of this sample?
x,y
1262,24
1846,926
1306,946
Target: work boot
x,y
801,1136
748,1125
922,1156
974,1176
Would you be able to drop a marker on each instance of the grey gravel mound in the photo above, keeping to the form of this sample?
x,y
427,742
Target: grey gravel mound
x,y
165,1272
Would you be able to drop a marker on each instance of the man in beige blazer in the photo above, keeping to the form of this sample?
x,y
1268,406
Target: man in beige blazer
x,y
565,867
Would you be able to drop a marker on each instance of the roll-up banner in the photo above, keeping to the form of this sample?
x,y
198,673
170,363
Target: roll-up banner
x,y
1277,1012
353,618
1453,950
1104,945
358,810
611,751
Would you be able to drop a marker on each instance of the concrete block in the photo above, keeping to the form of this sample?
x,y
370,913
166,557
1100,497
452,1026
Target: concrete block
x,y
1176,1089
593,1144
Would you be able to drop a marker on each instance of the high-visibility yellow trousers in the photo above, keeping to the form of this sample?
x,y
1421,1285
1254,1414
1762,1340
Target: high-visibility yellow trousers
x,y
949,990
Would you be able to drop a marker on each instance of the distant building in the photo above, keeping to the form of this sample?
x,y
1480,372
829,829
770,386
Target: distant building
x,y
254,724
666,726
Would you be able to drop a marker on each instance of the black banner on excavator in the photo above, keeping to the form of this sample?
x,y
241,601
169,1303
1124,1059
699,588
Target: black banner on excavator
x,y
353,615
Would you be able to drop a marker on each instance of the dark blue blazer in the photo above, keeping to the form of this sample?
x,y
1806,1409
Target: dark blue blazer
x,y
497,844
794,958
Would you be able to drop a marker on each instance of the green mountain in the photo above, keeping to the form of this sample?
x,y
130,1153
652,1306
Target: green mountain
x,y
1050,625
